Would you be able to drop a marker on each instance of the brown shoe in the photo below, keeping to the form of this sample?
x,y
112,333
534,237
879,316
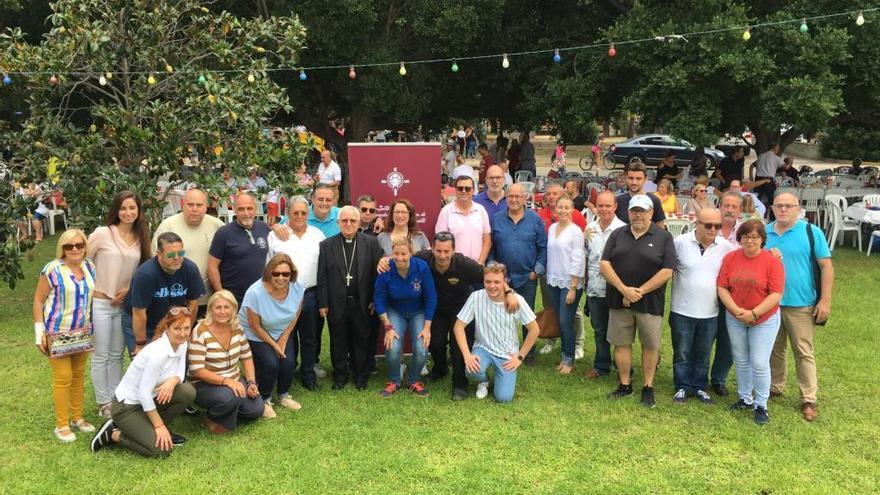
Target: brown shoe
x,y
808,409
775,395
593,374
213,427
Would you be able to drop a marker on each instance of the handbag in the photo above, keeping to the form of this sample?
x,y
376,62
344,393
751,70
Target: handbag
x,y
70,342
548,323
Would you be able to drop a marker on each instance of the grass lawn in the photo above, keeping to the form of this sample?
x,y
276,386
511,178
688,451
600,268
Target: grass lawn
x,y
560,435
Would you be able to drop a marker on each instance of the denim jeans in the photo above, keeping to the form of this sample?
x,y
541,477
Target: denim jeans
x,y
505,381
723,358
128,331
272,369
528,291
107,356
565,313
751,346
691,346
412,324
598,309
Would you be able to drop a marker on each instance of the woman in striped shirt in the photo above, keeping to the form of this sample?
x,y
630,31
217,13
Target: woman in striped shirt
x,y
217,347
63,303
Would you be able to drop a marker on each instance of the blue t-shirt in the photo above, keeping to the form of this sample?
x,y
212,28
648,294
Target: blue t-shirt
x,y
242,255
154,289
329,225
414,293
275,315
795,246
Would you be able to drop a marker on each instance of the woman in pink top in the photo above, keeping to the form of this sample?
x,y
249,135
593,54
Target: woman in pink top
x,y
750,285
116,249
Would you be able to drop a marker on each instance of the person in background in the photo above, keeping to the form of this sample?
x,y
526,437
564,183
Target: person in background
x,y
636,176
152,393
788,170
493,199
254,182
218,350
486,161
513,151
699,200
116,249
329,174
371,224
698,163
666,194
527,154
62,307
765,169
303,178
731,168
750,285
668,169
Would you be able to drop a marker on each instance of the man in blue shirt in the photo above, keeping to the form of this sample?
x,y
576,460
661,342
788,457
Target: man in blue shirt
x,y
519,241
168,279
323,215
492,198
803,304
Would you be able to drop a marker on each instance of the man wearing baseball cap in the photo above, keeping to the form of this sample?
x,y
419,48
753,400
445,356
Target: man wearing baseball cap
x,y
637,262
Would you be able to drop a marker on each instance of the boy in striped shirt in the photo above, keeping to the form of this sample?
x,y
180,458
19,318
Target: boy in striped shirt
x,y
497,335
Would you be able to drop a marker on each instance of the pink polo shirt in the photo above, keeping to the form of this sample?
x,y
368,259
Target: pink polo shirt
x,y
468,228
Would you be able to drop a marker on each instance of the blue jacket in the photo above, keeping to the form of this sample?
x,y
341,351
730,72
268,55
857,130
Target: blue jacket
x,y
414,293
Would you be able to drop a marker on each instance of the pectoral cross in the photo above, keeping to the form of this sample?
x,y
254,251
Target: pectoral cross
x,y
348,278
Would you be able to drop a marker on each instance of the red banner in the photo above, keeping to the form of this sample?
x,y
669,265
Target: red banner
x,y
391,171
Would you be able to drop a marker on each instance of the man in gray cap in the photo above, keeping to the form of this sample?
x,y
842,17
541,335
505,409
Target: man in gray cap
x,y
637,262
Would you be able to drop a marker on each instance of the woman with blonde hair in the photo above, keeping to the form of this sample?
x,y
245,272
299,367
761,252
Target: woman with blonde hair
x,y
62,312
218,350
700,197
666,194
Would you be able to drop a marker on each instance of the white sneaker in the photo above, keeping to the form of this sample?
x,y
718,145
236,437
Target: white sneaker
x,y
268,411
289,403
482,390
548,347
319,371
63,437
578,353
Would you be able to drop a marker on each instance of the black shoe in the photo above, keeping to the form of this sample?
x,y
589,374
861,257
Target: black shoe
x,y
360,385
621,392
103,438
338,385
176,439
459,394
741,405
720,389
373,369
761,416
191,411
648,396
435,377
313,386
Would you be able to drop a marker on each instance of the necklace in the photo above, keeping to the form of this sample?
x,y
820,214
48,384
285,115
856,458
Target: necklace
x,y
348,264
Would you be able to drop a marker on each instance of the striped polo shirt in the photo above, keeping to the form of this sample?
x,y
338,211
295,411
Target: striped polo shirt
x,y
69,303
497,330
206,352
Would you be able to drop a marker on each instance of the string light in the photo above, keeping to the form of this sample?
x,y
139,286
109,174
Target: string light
x,y
53,80
860,20
612,52
556,57
302,75
202,80
102,81
454,66
251,78
804,27
402,70
108,76
151,80
351,73
504,62
747,34
7,80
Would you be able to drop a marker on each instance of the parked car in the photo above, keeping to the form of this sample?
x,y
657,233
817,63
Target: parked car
x,y
651,148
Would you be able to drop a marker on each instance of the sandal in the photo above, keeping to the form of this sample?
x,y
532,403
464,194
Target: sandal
x,y
83,426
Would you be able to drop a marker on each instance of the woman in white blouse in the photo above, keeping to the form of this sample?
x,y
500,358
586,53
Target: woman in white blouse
x,y
152,392
565,276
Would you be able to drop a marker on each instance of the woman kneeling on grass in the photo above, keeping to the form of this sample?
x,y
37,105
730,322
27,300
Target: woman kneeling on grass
x,y
217,346
152,392
62,313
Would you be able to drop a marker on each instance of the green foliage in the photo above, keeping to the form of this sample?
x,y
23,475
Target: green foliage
x,y
130,110
848,142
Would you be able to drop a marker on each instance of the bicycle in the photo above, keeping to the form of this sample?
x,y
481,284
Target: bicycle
x,y
588,162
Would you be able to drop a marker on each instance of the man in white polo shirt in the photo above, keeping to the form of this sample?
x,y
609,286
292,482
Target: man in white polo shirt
x,y
329,173
694,304
496,340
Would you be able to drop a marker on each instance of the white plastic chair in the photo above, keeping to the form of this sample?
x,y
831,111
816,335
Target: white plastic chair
x,y
224,212
811,202
840,225
836,199
874,234
591,186
523,176
55,211
682,202
677,226
714,199
873,199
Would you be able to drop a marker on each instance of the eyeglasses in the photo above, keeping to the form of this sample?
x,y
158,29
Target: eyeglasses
x,y
364,209
172,254
299,213
444,236
347,220
464,188
281,274
79,246
176,310
784,207
701,190
752,238
710,226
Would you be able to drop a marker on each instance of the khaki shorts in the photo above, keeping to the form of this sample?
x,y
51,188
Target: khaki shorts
x,y
622,324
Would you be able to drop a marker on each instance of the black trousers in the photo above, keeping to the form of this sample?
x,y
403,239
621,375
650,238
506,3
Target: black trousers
x,y
442,336
349,333
308,333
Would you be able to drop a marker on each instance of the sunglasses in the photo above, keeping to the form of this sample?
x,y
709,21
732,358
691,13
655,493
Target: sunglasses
x,y
299,213
281,274
176,310
464,188
710,226
172,255
79,246
364,209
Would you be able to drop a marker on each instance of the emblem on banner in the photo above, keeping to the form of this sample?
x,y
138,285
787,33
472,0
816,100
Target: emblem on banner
x,y
395,180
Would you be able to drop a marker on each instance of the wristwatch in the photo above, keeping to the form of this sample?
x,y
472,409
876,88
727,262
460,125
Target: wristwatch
x,y
519,356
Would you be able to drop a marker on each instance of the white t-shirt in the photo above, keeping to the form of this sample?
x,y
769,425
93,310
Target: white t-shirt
x,y
565,256
330,173
303,251
497,331
768,163
460,134
694,289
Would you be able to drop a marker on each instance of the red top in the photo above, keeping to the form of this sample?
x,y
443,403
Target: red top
x,y
750,280
549,218
485,162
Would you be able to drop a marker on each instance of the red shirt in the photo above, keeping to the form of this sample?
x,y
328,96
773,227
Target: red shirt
x,y
549,218
750,280
485,162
